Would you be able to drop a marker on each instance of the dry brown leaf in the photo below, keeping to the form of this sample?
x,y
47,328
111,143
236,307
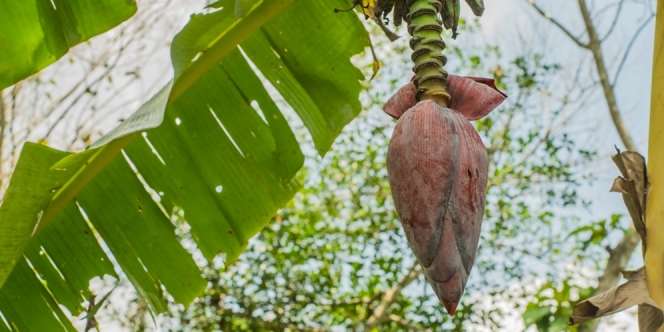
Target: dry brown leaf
x,y
631,293
633,185
650,318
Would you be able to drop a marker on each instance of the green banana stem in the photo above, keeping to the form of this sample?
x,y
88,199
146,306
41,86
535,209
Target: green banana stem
x,y
425,28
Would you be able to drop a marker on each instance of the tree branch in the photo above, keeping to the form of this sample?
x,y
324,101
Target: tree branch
x,y
90,320
559,25
406,324
380,313
595,47
620,255
618,259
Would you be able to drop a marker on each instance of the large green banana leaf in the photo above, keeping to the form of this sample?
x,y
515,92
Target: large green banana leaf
x,y
35,33
212,146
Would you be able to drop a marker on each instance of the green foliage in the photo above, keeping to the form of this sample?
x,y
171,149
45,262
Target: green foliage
x,y
596,233
551,308
213,146
35,33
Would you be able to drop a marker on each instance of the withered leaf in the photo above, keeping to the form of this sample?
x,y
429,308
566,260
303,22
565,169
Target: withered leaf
x,y
633,185
450,13
477,6
651,318
631,293
400,11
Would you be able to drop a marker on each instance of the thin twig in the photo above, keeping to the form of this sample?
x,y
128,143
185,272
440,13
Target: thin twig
x,y
90,320
629,49
559,25
614,22
88,89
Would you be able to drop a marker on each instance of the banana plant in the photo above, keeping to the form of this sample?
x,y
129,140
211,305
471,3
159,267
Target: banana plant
x,y
213,146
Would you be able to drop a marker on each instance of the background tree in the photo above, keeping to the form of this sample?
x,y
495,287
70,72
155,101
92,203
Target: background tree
x,y
597,30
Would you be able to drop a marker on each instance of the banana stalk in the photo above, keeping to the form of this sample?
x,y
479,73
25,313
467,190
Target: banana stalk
x,y
425,28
